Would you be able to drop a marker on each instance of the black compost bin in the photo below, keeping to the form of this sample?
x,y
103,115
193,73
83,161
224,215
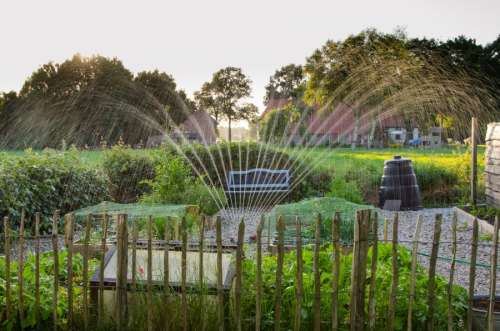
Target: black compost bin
x,y
399,183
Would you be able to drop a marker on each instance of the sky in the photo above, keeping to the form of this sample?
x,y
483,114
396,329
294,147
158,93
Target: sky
x,y
193,39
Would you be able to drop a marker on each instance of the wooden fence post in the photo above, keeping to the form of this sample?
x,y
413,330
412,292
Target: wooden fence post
x,y
20,268
395,274
55,250
493,277
386,236
135,237
201,271
166,276
150,275
372,314
37,270
184,310
355,270
411,299
472,272
279,273
220,291
473,180
432,273
363,253
8,299
121,271
336,270
258,276
101,268
237,285
452,270
69,235
86,253
298,278
317,275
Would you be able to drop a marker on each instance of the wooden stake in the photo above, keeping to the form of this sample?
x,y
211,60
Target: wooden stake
x,y
201,272
150,275
335,271
317,275
363,253
37,270
452,270
237,285
355,269
372,314
386,230
121,271
69,228
280,227
258,276
474,161
472,272
20,268
220,291
8,299
413,274
86,254
493,277
299,292
135,237
55,250
184,275
395,274
431,298
101,268
166,276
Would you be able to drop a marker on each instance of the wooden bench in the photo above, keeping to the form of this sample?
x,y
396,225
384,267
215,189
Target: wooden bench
x,y
258,181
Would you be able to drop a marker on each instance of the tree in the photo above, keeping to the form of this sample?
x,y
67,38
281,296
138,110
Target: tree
x,y
221,96
286,83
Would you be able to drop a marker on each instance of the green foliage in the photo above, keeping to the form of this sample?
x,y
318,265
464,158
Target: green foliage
x,y
46,289
46,182
382,291
346,190
126,171
287,82
174,183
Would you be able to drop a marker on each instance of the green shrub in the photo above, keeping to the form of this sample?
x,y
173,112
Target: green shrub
x,y
382,291
346,190
127,171
174,183
46,182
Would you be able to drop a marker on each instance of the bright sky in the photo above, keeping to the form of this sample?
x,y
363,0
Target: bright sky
x,y
192,39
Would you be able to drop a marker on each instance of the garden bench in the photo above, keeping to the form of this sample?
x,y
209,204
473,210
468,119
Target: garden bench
x,y
258,181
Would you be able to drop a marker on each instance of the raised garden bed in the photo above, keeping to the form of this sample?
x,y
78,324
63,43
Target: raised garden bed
x,y
485,219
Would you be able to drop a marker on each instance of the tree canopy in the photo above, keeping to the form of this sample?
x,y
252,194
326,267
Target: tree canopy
x,y
286,83
87,100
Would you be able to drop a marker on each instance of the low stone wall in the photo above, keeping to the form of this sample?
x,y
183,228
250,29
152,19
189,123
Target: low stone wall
x,y
492,167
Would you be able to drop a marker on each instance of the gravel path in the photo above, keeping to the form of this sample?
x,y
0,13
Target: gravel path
x,y
407,224
406,230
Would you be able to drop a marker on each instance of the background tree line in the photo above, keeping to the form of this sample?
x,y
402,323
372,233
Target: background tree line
x,y
86,101
424,80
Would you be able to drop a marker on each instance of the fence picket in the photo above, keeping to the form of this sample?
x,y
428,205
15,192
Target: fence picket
x,y
237,285
432,273
121,271
363,253
472,272
355,271
395,274
166,275
69,235
386,230
37,270
183,276
493,277
452,270
317,275
150,275
258,276
220,294
55,250
372,313
201,296
135,236
8,299
411,299
20,268
101,269
336,270
298,285
279,273
86,254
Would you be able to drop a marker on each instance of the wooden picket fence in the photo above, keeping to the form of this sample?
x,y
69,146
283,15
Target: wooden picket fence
x,y
361,317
